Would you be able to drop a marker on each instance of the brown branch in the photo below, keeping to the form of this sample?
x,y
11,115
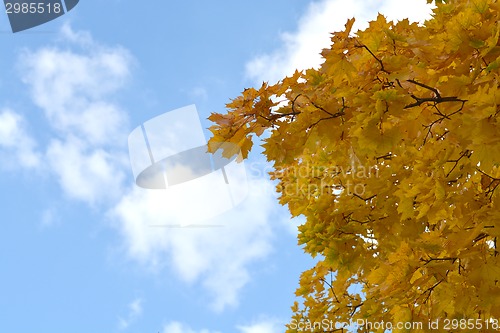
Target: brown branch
x,y
479,237
426,87
364,199
331,287
387,156
340,113
487,175
492,186
382,68
431,289
436,99
466,153
438,259
276,116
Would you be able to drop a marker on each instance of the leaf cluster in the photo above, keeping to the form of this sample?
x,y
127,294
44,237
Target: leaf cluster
x,y
391,150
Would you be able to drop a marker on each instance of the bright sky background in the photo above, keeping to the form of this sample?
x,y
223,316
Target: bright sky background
x,y
77,253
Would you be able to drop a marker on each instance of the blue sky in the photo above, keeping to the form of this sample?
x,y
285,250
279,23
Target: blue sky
x,y
77,250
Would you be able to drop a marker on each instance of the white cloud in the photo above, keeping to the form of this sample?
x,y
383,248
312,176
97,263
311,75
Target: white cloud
x,y
265,326
88,174
71,89
49,218
16,145
74,88
414,10
83,38
292,224
134,313
301,49
200,93
177,327
218,259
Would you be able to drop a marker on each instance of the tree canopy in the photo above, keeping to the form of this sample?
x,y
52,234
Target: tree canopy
x,y
391,150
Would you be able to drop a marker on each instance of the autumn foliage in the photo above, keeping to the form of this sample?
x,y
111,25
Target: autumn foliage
x,y
391,150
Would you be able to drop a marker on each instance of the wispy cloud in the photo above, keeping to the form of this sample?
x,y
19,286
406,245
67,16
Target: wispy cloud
x,y
199,92
85,171
135,309
49,218
16,143
177,327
